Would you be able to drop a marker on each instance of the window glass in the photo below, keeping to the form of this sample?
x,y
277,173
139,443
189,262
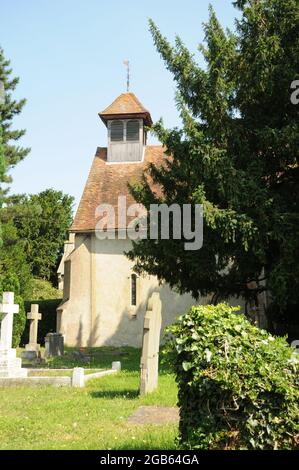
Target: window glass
x,y
133,289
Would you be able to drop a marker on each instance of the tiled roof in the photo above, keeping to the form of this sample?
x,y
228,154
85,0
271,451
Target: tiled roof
x,y
126,105
108,181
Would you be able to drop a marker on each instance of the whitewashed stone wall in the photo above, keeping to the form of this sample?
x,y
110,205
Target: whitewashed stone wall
x,y
97,306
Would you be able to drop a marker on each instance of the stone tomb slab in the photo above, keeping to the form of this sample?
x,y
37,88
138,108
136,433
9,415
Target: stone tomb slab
x,y
157,415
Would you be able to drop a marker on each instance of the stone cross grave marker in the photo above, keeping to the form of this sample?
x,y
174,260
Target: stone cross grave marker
x,y
10,365
7,310
150,347
34,316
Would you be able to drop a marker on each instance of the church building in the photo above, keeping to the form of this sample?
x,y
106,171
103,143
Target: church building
x,y
104,301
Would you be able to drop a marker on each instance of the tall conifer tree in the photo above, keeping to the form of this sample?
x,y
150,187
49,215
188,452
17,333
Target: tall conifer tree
x,y
237,154
10,152
9,108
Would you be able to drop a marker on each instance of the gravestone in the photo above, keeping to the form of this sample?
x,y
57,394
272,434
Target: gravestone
x,y
54,345
116,366
157,415
10,365
33,348
78,379
150,347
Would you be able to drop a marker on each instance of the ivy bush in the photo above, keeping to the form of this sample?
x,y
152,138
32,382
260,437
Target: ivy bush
x,y
238,385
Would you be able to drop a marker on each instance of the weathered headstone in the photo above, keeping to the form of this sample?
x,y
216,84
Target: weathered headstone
x,y
78,379
10,365
54,345
150,348
158,415
116,366
33,348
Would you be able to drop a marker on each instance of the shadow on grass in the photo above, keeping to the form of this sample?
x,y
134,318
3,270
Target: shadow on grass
x,y
99,358
171,446
110,394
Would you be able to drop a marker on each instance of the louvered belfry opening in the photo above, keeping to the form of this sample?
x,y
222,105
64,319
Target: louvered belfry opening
x,y
132,133
125,131
125,140
117,131
126,120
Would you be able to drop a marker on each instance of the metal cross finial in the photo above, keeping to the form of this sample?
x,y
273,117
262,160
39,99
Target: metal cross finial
x,y
127,64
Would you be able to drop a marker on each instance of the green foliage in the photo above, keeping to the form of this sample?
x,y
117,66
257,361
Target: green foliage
x,y
13,260
284,322
43,290
13,266
47,307
48,322
48,298
42,221
238,386
46,234
2,158
9,109
2,174
34,229
19,322
10,283
236,154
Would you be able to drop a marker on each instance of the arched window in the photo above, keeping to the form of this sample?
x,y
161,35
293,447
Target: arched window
x,y
133,289
133,130
117,131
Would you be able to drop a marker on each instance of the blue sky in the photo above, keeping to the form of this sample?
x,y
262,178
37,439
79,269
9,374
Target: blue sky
x,y
68,55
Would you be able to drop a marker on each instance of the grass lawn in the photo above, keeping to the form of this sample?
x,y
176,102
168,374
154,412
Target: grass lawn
x,y
58,373
94,417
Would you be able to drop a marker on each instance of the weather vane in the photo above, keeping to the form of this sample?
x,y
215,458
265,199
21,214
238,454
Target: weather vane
x,y
127,64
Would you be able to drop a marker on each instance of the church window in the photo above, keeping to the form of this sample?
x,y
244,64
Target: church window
x,y
67,280
133,130
117,131
133,289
